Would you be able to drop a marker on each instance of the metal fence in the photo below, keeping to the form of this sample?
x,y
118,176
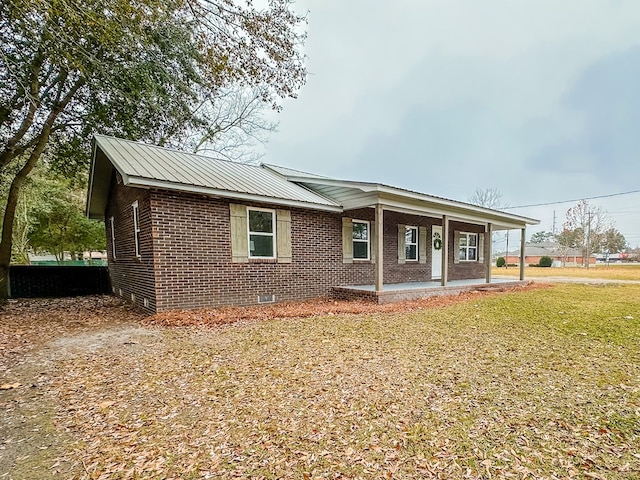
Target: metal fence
x,y
34,281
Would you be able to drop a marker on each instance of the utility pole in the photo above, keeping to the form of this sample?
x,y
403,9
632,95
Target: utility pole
x,y
506,264
588,239
553,229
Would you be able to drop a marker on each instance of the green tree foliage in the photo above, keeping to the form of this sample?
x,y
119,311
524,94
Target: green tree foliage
x,y
613,241
500,262
542,237
59,224
545,261
141,69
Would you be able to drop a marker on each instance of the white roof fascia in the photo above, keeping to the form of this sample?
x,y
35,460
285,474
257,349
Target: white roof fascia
x,y
438,205
149,183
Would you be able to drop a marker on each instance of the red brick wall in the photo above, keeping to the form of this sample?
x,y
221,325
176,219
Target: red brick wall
x,y
464,270
193,256
130,275
186,253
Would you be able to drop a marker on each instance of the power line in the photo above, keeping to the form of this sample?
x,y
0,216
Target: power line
x,y
575,200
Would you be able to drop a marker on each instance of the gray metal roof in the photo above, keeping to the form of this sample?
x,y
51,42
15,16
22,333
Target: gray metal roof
x,y
148,166
151,166
355,194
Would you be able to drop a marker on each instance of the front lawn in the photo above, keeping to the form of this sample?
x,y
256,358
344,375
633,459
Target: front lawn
x,y
599,271
543,383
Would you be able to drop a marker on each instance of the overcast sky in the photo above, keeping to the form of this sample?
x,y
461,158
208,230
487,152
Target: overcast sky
x,y
539,99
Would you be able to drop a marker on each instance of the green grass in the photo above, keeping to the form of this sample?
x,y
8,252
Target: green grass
x,y
606,272
538,384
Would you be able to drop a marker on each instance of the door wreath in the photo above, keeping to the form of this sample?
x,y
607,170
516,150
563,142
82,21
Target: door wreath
x,y
437,244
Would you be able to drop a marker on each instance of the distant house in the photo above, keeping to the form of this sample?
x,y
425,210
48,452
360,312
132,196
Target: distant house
x,y
187,231
561,256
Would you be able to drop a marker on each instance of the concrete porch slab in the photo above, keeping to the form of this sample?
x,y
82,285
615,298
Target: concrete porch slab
x,y
397,292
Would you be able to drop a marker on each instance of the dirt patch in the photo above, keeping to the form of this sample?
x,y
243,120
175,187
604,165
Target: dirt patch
x,y
35,334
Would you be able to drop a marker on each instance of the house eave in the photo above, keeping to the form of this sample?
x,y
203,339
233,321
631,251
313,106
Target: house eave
x,y
142,182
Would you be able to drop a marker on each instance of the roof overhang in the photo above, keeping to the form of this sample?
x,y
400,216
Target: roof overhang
x,y
101,172
363,194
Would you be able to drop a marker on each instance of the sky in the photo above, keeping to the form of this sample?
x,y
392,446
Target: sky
x,y
538,99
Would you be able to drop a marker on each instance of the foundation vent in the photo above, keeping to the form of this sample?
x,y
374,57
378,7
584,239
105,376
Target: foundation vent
x,y
270,298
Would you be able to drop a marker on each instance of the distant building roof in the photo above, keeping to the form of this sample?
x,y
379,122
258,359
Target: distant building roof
x,y
549,249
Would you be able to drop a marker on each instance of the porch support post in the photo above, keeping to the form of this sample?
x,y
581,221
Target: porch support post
x,y
379,231
522,237
488,237
445,250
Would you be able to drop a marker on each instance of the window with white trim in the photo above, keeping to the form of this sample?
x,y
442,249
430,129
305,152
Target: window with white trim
x,y
411,243
262,232
361,240
136,227
468,247
112,227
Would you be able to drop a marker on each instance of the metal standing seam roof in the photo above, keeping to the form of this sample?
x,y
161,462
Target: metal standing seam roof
x,y
313,180
140,163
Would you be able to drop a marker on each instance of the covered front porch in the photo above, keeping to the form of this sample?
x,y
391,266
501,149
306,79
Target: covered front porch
x,y
397,292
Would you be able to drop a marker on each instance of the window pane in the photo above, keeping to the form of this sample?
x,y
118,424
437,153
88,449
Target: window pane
x,y
473,240
411,252
260,221
360,231
472,254
261,245
463,240
411,235
361,250
462,254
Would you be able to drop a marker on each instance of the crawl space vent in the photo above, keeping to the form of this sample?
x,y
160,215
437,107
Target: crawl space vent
x,y
266,298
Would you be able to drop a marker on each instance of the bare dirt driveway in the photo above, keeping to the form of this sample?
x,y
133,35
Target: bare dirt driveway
x,y
35,336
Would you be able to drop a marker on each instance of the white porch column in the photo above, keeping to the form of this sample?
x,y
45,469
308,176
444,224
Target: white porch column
x,y
445,251
379,232
488,237
522,237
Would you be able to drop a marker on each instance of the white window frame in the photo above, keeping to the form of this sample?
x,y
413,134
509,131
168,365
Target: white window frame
x,y
136,227
466,248
272,234
408,244
367,241
113,237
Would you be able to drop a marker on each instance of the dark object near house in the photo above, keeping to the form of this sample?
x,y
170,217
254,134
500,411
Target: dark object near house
x,y
34,281
187,231
546,261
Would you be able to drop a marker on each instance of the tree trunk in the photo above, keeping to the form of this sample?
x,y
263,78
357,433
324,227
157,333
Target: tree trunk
x,y
7,231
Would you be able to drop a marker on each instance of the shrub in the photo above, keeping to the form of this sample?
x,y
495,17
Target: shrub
x,y
500,262
546,261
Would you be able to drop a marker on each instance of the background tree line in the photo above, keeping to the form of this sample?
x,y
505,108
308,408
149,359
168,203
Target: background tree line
x,y
588,229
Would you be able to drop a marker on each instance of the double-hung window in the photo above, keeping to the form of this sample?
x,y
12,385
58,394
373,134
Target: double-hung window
x,y
262,233
411,243
136,228
360,240
468,247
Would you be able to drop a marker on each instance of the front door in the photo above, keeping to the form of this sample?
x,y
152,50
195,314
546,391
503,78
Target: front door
x,y
436,252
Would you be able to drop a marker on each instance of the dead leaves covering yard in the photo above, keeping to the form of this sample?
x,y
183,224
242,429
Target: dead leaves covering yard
x,y
542,383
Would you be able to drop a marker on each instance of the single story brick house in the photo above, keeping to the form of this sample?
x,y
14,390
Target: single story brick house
x,y
561,256
188,231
